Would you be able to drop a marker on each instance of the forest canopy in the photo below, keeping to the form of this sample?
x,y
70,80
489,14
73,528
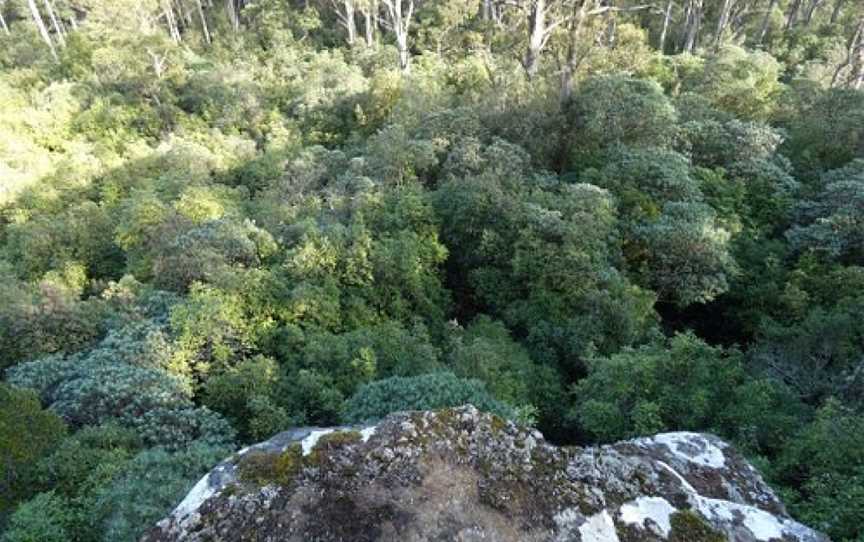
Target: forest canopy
x,y
606,218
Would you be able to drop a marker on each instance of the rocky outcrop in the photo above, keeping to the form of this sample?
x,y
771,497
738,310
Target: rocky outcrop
x,y
458,474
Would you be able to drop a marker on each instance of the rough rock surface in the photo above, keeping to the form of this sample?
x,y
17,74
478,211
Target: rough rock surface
x,y
458,474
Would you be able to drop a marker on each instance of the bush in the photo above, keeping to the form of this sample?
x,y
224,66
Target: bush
x,y
740,82
311,397
687,385
428,392
831,223
87,391
686,254
825,460
614,110
245,396
149,486
46,318
645,179
369,353
27,433
86,458
44,518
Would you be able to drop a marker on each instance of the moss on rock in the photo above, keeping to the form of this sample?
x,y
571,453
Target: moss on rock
x,y
688,526
264,468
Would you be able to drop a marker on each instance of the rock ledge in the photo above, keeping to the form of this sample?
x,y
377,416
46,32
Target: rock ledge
x,y
458,474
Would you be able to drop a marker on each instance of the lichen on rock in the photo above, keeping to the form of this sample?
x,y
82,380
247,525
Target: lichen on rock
x,y
459,474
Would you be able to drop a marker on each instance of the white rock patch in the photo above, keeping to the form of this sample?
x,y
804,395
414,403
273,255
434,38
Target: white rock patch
x,y
367,433
312,439
708,454
599,528
684,483
657,509
199,493
763,525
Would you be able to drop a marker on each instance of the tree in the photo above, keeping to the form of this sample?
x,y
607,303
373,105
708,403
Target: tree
x,y
3,24
43,30
27,433
608,111
693,14
686,254
853,64
831,223
44,518
345,12
398,20
684,384
428,392
740,82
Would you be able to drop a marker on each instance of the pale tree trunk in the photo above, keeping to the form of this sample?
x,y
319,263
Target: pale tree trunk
x,y
369,27
173,31
693,23
40,24
738,19
3,20
766,21
574,39
792,15
204,29
486,7
184,13
345,13
811,10
233,16
404,53
61,39
854,59
351,23
611,29
723,21
858,59
667,20
537,33
399,13
369,8
838,8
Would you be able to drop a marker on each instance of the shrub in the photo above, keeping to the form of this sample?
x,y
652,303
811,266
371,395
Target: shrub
x,y
614,110
311,397
427,392
44,518
27,433
831,223
825,460
149,486
245,395
369,353
86,391
645,179
686,258
45,319
687,385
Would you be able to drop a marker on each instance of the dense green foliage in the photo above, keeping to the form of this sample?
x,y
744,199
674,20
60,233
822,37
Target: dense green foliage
x,y
427,392
216,225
